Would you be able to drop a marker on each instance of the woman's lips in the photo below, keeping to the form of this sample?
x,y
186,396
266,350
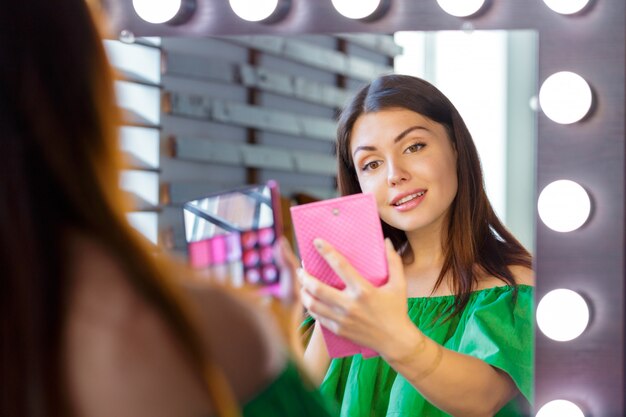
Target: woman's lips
x,y
414,201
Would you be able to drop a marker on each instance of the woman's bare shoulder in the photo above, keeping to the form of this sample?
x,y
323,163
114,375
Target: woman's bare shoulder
x,y
523,275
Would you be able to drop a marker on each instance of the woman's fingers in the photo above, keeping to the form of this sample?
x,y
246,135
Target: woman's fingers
x,y
341,266
317,308
323,292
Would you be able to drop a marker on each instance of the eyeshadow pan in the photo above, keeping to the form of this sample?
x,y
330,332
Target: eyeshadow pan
x,y
266,236
218,250
251,258
233,247
199,253
249,239
270,274
267,255
253,275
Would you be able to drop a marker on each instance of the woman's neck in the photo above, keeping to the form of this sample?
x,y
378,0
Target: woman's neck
x,y
424,266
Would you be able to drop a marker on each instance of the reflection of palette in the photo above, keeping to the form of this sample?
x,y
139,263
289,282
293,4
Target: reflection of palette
x,y
230,236
251,249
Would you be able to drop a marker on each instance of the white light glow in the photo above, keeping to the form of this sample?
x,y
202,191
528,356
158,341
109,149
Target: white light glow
x,y
157,11
565,97
560,408
358,9
254,10
564,206
562,315
461,8
566,6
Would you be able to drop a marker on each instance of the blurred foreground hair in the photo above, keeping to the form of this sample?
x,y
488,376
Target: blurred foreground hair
x,y
59,166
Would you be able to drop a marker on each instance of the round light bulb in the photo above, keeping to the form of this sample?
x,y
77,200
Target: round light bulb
x,y
565,97
359,9
157,11
560,408
461,8
566,6
562,315
564,205
254,10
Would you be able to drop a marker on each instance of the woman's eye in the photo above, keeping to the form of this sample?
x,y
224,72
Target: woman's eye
x,y
414,148
370,165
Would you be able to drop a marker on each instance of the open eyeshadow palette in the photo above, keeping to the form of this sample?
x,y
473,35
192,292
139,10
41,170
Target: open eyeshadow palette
x,y
231,234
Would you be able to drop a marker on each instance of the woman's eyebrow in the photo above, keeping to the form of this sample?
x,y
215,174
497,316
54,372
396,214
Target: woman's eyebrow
x,y
409,130
396,140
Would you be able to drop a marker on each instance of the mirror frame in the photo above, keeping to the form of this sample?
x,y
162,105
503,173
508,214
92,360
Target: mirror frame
x,y
589,370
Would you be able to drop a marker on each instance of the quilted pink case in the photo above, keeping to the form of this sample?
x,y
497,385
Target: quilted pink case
x,y
351,224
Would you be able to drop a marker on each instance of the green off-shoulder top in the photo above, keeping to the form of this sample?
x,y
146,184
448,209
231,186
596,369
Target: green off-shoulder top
x,y
495,326
289,394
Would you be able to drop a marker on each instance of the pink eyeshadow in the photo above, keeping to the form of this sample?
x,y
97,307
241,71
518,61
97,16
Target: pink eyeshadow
x,y
253,275
233,247
218,249
199,253
266,236
267,255
270,273
249,239
250,258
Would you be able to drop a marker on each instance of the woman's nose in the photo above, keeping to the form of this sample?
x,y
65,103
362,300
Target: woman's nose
x,y
396,174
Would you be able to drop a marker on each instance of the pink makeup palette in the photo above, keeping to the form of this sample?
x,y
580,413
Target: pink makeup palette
x,y
236,229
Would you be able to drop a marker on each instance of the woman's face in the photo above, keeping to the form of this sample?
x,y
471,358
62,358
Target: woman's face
x,y
408,162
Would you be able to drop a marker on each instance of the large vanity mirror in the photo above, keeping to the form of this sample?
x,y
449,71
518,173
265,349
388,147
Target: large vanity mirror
x,y
530,151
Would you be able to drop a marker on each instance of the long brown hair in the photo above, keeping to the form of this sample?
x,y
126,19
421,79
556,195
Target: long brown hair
x,y
59,172
476,238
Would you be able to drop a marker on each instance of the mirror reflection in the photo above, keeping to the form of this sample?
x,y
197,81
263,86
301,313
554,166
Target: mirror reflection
x,y
250,108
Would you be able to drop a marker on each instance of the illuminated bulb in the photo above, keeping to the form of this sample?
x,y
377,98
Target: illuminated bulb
x,y
157,11
562,315
461,8
566,6
564,205
255,10
565,97
560,408
357,9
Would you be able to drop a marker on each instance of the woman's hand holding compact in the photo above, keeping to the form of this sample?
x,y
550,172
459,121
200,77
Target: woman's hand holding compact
x,y
375,317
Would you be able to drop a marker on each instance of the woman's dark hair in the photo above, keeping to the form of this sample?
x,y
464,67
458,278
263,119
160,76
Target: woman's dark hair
x,y
58,174
476,238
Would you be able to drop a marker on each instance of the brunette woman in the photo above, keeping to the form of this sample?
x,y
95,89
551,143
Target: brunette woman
x,y
453,325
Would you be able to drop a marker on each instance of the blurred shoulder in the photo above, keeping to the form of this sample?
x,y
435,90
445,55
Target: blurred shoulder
x,y
117,338
242,335
118,349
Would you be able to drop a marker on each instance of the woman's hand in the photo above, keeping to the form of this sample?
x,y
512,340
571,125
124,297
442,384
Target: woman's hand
x,y
370,316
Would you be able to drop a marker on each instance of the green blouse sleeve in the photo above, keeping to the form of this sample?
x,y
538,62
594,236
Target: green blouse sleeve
x,y
499,330
289,395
